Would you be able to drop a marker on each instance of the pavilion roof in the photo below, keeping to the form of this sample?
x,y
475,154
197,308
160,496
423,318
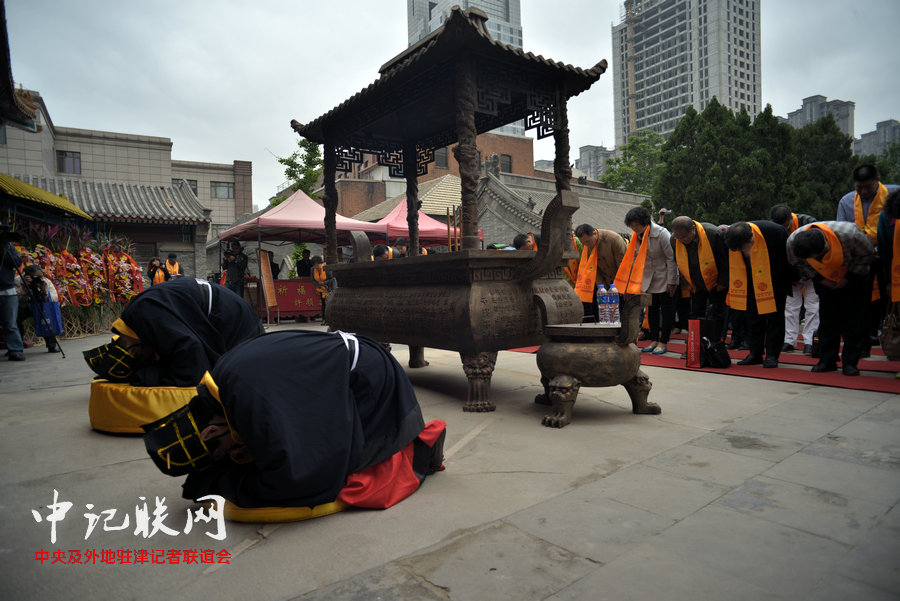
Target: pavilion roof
x,y
414,99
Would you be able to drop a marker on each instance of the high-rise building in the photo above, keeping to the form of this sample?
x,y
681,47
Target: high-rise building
x,y
504,18
672,54
504,24
592,160
879,141
816,107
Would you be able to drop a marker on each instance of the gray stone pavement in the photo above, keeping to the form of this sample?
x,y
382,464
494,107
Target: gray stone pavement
x,y
741,489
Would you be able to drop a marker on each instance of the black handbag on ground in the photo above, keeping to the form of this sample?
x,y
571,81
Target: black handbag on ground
x,y
714,354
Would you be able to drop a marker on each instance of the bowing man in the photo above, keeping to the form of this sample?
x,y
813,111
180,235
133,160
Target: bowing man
x,y
759,282
836,256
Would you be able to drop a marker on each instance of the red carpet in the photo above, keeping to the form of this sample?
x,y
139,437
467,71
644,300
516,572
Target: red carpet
x,y
878,374
877,362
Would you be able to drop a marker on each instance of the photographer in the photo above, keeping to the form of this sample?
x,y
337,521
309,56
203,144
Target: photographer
x,y
33,287
663,213
9,302
157,272
235,264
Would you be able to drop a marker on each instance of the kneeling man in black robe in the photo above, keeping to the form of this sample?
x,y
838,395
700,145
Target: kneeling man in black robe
x,y
299,419
172,333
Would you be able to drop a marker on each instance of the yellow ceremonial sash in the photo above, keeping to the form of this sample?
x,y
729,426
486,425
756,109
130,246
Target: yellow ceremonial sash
x,y
159,277
869,225
172,267
832,264
630,275
708,269
587,273
761,272
795,223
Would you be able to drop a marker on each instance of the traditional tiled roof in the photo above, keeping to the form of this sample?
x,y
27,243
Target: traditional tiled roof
x,y
436,195
526,198
122,202
18,189
16,107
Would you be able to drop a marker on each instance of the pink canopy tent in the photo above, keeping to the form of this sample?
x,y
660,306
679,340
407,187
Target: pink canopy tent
x,y
299,219
430,229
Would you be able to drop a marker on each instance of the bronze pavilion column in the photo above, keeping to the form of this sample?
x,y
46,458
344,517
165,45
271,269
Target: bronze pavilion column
x,y
416,353
412,197
330,201
465,151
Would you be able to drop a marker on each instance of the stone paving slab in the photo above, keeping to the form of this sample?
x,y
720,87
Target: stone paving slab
x,y
499,562
808,509
847,479
751,444
649,572
592,526
781,560
661,492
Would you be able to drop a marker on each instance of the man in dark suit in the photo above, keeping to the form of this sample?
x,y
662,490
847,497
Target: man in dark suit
x,y
759,282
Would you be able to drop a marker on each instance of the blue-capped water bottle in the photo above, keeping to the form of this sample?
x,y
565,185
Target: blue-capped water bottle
x,y
602,306
613,305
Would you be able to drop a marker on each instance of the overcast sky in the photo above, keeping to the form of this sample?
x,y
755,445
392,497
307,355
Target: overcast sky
x,y
224,78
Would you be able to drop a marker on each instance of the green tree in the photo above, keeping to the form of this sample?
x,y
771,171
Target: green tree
x,y
888,164
720,167
824,168
637,169
302,168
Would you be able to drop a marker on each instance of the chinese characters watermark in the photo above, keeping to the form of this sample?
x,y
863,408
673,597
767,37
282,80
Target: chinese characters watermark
x,y
143,524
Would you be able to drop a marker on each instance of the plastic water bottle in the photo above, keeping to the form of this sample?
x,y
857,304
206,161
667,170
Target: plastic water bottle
x,y
602,313
613,306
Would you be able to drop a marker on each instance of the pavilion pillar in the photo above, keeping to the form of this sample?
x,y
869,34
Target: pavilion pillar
x,y
330,202
465,152
412,197
562,170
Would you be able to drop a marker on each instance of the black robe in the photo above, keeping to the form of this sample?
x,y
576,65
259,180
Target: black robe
x,y
308,419
176,320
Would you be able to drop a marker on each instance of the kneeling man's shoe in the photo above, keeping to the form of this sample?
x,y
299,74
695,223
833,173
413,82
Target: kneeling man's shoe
x,y
787,348
770,362
751,359
850,370
823,366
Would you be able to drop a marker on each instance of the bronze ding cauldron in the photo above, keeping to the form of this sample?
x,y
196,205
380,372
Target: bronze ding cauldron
x,y
593,355
476,302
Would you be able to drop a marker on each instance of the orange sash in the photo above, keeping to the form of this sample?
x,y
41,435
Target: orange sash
x,y
533,241
630,275
895,265
869,225
795,223
761,271
704,256
172,267
587,273
159,277
320,276
832,264
572,268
